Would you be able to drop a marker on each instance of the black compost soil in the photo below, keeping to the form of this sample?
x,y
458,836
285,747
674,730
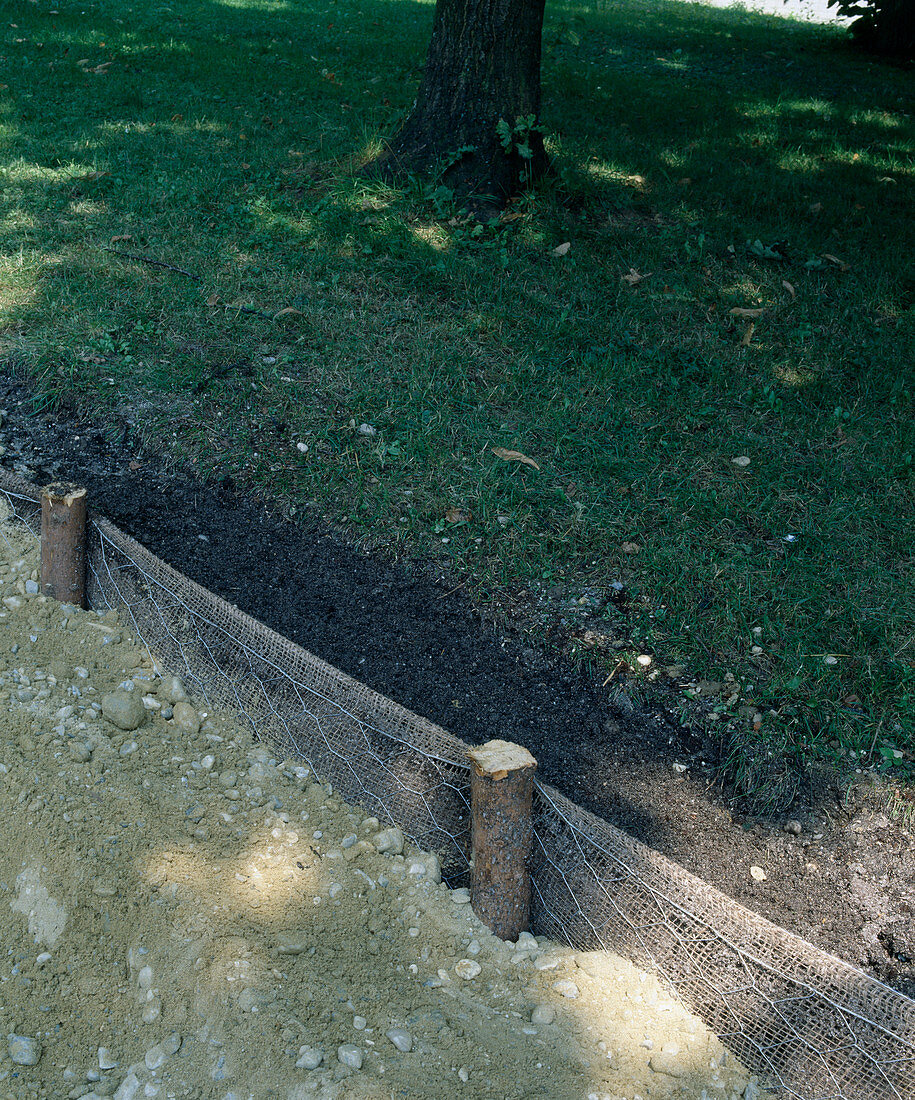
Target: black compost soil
x,y
846,882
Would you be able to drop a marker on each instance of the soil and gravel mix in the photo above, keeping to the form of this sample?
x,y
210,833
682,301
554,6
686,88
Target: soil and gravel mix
x,y
837,869
184,915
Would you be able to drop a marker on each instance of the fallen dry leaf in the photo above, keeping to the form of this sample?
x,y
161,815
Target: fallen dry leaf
x,y
840,264
633,277
135,464
101,69
562,249
737,311
514,456
213,300
88,177
121,237
630,548
287,312
455,515
748,335
789,288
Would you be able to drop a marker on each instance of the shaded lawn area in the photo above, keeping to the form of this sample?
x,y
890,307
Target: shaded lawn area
x,y
707,162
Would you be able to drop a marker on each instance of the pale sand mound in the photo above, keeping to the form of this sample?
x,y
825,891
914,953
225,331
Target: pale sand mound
x,y
181,915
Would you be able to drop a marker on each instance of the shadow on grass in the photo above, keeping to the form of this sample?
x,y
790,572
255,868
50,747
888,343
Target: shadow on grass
x,y
217,137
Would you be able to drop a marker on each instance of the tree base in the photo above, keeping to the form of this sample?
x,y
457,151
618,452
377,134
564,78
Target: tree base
x,y
482,176
474,127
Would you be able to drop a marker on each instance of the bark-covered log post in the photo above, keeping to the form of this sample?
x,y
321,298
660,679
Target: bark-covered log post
x,y
63,543
501,790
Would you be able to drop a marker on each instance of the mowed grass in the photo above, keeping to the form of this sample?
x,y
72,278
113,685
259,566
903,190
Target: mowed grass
x,y
720,160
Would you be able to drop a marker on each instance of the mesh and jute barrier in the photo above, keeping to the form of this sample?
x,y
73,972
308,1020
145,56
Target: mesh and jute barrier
x,y
812,1027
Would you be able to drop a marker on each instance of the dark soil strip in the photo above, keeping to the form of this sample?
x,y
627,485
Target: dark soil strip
x,y
847,883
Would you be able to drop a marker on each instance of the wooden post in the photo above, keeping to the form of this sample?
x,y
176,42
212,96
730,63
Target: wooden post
x,y
501,788
63,543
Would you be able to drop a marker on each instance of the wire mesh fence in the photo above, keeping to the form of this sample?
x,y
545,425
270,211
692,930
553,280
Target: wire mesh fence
x,y
812,1027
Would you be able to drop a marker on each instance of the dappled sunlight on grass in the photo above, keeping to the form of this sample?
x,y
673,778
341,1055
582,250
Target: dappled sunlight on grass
x,y
86,208
432,235
16,220
783,109
18,289
28,172
794,377
614,173
257,5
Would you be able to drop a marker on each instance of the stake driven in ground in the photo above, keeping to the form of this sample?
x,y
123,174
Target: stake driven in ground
x,y
63,543
501,788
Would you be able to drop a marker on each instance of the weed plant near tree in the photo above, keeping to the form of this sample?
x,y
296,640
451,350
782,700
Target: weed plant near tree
x,y
699,332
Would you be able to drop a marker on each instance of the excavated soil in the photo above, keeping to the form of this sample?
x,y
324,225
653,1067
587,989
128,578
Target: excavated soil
x,y
184,915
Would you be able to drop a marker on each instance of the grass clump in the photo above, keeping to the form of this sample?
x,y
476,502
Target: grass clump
x,y
737,285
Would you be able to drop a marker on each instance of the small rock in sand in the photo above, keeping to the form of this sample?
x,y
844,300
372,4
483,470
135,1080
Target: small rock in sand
x,y
389,840
565,987
23,1050
309,1058
670,1064
124,710
172,1044
186,718
401,1038
467,969
348,1054
155,1057
106,1059
171,688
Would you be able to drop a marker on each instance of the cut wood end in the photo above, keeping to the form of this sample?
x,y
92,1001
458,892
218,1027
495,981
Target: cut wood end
x,y
63,492
496,759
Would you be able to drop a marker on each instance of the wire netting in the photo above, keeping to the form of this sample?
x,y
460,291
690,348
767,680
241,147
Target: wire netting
x,y
812,1026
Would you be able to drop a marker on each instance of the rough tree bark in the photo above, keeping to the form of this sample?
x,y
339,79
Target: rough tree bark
x,y
483,67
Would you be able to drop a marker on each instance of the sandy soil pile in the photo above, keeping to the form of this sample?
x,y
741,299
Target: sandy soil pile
x,y
183,915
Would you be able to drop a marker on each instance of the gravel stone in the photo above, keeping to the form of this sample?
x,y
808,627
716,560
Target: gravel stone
x,y
389,840
401,1038
124,710
171,688
23,1050
186,718
670,1064
467,969
309,1058
348,1054
565,987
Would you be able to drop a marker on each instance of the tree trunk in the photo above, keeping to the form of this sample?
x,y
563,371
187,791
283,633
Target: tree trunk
x,y
482,69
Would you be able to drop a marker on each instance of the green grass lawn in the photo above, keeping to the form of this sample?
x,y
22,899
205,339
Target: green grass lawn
x,y
722,161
